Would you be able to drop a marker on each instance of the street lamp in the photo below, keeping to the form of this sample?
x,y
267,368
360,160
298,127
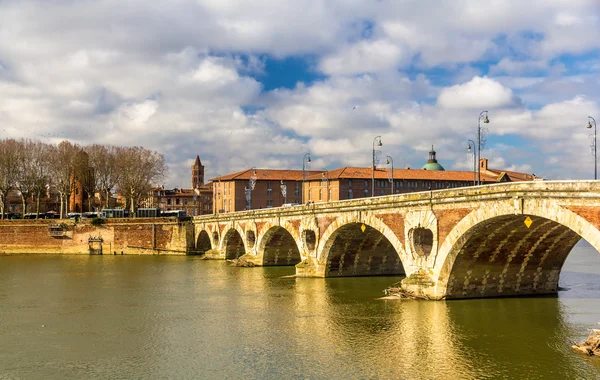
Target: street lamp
x,y
482,116
387,162
325,176
305,160
283,188
592,121
249,188
470,147
379,143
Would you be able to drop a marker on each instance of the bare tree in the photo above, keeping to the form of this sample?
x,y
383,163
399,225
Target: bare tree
x,y
63,162
26,182
10,156
138,169
103,160
40,170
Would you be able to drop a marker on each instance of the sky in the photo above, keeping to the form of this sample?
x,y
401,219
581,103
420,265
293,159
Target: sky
x,y
260,83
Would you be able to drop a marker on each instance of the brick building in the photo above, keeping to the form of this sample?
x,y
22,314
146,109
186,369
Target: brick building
x,y
352,182
272,188
229,191
194,201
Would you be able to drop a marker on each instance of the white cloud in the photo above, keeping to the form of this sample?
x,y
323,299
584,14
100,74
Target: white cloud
x,y
184,77
363,57
480,92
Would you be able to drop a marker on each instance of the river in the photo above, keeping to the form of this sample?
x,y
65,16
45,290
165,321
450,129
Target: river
x,y
165,317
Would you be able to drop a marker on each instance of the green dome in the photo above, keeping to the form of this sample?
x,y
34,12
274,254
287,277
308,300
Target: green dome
x,y
432,163
432,166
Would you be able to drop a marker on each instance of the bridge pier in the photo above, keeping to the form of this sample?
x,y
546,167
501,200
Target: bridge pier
x,y
310,267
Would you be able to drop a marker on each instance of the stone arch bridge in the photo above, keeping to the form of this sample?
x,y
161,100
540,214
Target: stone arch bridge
x,y
487,241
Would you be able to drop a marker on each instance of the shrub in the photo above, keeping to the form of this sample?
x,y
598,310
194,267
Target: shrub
x,y
97,222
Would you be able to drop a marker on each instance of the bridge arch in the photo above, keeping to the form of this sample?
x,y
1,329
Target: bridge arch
x,y
233,243
493,253
351,247
203,242
278,247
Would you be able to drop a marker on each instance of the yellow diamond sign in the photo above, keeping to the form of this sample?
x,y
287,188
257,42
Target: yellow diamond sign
x,y
363,227
528,222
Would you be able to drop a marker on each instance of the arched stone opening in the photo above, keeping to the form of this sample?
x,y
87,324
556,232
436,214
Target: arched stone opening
x,y
250,239
309,238
278,247
503,257
350,251
234,245
203,243
421,240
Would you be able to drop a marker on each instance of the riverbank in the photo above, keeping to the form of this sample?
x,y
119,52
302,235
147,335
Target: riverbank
x,y
137,236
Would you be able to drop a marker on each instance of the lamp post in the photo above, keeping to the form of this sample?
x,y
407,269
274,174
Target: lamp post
x,y
391,161
592,121
482,116
325,176
379,143
249,188
283,188
305,160
469,147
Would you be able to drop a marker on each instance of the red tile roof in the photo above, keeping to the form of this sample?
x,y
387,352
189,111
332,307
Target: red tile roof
x,y
365,173
410,174
266,175
514,176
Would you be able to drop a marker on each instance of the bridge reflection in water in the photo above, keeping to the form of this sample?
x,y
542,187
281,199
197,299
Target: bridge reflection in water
x,y
177,317
488,241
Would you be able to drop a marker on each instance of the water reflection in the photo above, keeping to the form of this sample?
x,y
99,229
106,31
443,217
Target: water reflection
x,y
181,317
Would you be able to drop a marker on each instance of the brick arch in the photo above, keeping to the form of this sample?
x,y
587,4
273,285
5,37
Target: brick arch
x,y
209,229
491,252
278,246
233,242
203,242
348,251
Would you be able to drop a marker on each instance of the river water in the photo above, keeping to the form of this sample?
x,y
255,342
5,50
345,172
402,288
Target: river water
x,y
160,317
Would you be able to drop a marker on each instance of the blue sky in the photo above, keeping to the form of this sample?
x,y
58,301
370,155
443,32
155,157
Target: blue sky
x,y
260,83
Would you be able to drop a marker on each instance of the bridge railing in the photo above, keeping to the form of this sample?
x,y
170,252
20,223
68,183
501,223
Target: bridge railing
x,y
534,189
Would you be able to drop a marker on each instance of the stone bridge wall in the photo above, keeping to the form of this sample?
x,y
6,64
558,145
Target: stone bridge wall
x,y
456,243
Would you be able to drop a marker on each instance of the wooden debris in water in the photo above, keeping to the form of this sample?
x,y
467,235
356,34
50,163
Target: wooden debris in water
x,y
590,346
241,263
397,292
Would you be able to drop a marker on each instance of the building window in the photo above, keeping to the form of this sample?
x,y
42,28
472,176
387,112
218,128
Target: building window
x,y
310,195
177,201
269,203
320,195
366,183
298,188
168,201
185,201
350,196
349,182
366,192
269,189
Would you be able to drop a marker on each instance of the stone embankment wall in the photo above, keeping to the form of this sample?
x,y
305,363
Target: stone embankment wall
x,y
128,236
